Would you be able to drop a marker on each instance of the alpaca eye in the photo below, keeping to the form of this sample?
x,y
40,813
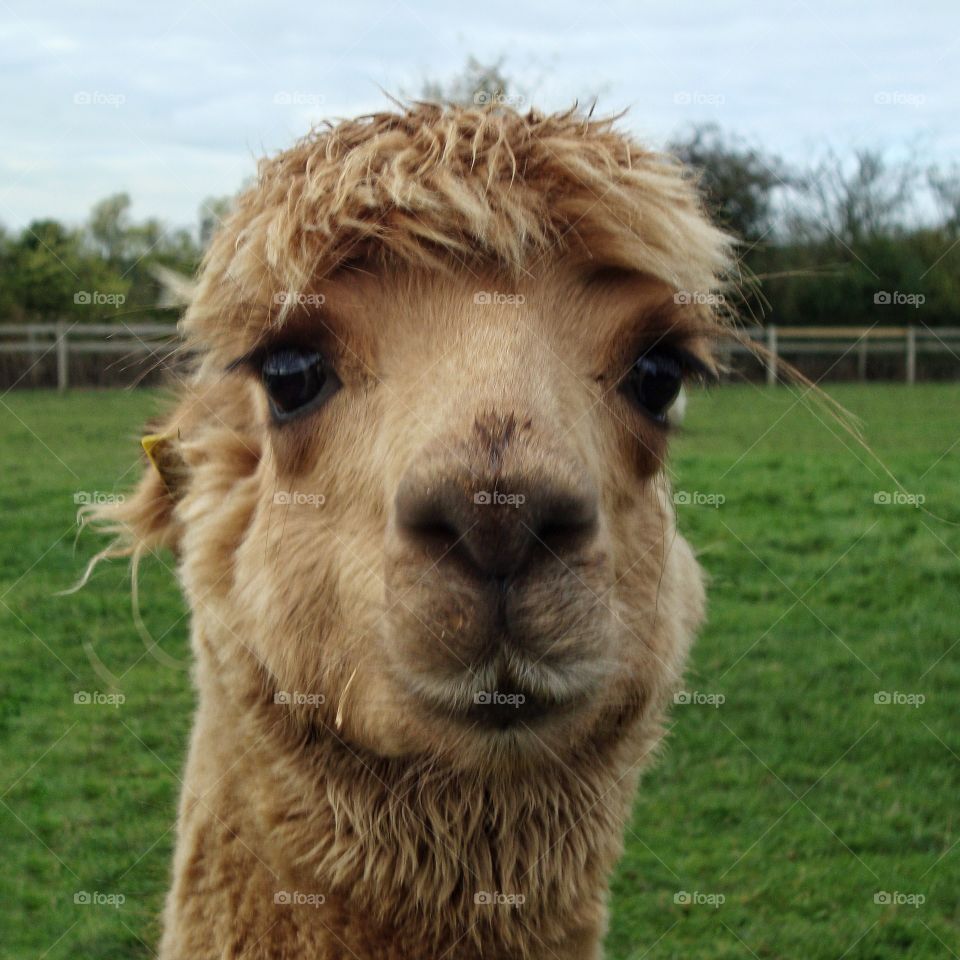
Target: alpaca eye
x,y
296,380
655,381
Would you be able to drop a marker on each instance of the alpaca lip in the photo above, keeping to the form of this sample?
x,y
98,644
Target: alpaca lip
x,y
505,689
504,705
503,710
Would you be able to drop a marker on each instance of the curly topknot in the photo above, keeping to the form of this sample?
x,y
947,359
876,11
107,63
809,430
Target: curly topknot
x,y
447,187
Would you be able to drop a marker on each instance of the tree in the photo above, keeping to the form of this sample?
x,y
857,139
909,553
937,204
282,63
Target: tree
x,y
109,226
477,84
946,191
49,273
739,180
855,202
213,211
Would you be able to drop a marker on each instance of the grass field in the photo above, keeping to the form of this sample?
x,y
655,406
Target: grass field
x,y
781,815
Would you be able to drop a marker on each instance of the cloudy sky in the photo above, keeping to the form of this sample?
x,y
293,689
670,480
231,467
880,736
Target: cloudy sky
x,y
174,101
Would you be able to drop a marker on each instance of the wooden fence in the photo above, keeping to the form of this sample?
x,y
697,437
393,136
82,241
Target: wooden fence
x,y
62,340
158,341
862,343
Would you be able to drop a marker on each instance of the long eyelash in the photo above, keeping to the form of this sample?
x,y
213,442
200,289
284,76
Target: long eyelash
x,y
250,359
692,365
254,357
294,339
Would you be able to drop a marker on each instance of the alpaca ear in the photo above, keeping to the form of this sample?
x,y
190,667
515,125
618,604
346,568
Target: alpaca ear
x,y
145,519
163,452
207,423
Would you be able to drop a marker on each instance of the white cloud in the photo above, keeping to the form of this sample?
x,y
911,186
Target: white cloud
x,y
182,96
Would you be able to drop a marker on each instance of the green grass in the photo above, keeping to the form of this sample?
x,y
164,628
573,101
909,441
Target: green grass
x,y
796,800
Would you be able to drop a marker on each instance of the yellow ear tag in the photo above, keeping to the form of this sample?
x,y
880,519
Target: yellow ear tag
x,y
161,450
151,443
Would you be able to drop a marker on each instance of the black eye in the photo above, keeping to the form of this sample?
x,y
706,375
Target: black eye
x,y
655,380
296,380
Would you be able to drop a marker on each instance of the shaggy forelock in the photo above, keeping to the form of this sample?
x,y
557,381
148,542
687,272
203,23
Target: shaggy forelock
x,y
451,188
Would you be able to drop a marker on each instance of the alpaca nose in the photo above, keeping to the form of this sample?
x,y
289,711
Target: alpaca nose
x,y
496,530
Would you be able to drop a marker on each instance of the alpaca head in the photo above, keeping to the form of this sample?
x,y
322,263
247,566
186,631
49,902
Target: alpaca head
x,y
416,478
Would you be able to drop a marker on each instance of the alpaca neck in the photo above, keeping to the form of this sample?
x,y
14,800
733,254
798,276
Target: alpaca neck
x,y
309,840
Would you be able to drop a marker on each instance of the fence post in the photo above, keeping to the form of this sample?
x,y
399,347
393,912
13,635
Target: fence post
x,y
63,356
771,355
31,352
725,356
862,360
911,355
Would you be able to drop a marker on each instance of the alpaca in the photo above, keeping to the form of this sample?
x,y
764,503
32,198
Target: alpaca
x,y
415,484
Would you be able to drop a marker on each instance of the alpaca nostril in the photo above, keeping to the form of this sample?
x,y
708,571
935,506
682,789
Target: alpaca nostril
x,y
424,518
559,537
567,521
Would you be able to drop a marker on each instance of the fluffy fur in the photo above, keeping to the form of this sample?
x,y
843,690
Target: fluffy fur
x,y
481,282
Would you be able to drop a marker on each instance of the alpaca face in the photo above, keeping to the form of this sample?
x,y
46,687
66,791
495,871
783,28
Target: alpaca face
x,y
455,536
422,506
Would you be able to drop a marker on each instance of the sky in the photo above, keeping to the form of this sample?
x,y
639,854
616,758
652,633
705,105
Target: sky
x,y
173,102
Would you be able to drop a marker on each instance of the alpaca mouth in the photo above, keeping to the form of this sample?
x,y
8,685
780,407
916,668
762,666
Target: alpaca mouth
x,y
508,692
506,709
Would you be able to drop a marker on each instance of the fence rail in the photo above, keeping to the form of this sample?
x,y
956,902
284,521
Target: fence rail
x,y
160,340
781,343
66,339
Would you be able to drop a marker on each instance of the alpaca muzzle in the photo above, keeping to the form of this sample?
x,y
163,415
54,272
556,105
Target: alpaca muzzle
x,y
498,559
492,505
